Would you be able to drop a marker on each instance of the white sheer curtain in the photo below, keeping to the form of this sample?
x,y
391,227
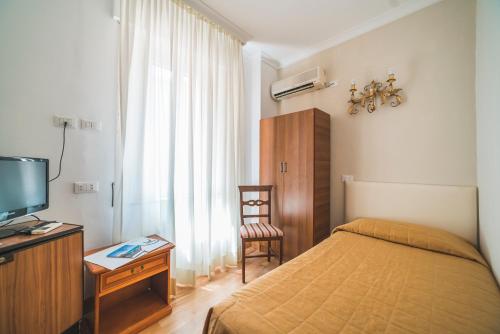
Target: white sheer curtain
x,y
181,99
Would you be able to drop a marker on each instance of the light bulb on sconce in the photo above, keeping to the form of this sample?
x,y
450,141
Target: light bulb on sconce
x,y
391,74
353,100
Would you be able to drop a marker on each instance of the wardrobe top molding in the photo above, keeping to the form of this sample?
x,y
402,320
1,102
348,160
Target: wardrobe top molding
x,y
295,112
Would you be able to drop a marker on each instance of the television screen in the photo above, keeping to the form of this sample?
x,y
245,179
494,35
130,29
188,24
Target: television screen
x,y
23,186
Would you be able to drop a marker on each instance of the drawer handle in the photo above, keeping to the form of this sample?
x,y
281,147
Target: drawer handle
x,y
132,271
5,258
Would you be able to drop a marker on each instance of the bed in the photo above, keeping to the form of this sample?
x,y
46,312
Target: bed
x,y
379,274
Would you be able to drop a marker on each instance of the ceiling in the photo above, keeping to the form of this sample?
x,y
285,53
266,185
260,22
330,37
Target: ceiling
x,y
289,30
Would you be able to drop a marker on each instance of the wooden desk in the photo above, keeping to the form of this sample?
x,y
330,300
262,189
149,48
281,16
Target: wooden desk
x,y
41,281
134,296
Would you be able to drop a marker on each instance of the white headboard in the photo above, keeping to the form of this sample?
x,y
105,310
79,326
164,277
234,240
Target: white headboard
x,y
451,208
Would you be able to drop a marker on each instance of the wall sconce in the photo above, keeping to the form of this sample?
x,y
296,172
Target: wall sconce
x,y
370,93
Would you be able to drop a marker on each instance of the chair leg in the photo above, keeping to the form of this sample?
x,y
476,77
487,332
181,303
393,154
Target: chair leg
x,y
243,260
281,251
269,251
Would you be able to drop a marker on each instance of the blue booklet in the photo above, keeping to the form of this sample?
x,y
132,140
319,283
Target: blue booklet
x,y
127,251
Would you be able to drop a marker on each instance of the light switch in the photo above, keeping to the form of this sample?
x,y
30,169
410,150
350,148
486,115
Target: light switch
x,y
91,125
85,187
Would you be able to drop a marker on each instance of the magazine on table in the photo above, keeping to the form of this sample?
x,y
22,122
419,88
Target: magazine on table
x,y
119,255
128,251
135,248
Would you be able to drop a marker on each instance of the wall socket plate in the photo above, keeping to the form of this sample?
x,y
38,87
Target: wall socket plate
x,y
347,178
91,125
85,187
59,122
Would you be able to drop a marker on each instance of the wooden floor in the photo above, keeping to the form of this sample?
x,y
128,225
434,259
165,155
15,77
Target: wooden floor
x,y
191,305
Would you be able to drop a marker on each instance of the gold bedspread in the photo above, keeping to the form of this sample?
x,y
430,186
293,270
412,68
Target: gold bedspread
x,y
358,282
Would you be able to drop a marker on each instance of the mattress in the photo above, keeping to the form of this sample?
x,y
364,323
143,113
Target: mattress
x,y
370,276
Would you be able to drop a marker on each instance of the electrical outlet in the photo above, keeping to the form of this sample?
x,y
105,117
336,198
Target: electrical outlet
x,y
93,187
78,187
85,187
59,122
347,178
92,125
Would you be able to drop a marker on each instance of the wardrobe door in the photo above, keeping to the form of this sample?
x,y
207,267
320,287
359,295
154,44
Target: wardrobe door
x,y
322,154
280,151
272,143
271,157
298,183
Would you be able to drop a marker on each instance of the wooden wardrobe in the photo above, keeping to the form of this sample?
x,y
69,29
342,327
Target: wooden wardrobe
x,y
295,159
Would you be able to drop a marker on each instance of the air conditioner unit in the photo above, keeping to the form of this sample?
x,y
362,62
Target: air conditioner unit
x,y
298,84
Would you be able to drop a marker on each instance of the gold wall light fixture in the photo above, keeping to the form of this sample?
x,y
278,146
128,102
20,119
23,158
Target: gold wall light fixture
x,y
368,97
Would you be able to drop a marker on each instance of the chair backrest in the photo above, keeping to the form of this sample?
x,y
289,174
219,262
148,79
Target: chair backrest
x,y
255,202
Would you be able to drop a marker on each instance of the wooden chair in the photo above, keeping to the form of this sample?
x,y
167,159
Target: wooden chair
x,y
258,231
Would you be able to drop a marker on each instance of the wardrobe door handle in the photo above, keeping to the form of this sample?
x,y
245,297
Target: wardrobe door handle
x,y
281,166
286,166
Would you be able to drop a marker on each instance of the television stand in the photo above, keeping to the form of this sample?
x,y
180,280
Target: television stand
x,y
41,281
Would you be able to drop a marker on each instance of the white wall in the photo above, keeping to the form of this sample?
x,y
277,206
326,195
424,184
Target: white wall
x,y
488,128
259,73
269,74
249,123
430,138
60,57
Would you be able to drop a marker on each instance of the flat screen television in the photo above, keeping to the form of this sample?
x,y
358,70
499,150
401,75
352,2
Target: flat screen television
x,y
24,186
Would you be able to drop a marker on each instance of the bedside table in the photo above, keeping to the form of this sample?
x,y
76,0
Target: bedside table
x,y
134,296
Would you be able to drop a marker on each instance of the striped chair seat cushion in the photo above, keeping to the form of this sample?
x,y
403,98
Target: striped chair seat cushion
x,y
259,231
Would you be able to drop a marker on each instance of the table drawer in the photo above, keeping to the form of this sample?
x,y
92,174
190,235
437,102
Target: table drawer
x,y
133,272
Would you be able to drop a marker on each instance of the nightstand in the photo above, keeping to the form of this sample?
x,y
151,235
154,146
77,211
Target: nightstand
x,y
134,296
